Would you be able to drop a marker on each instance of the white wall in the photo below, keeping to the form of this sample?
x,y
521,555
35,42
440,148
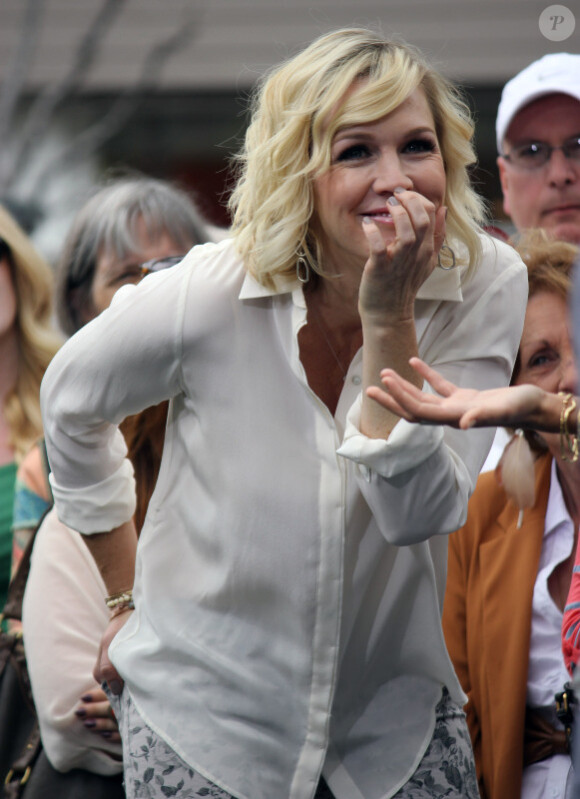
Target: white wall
x,y
474,41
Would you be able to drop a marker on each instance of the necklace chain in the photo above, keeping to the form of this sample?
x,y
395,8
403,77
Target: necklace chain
x,y
328,344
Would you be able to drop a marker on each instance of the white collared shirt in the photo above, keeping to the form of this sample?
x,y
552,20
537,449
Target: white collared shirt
x,y
290,573
550,778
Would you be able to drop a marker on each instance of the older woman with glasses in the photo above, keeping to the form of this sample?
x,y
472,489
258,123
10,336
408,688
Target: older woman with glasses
x,y
131,227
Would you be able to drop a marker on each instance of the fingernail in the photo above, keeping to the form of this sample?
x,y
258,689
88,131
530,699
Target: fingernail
x,y
398,190
81,712
393,200
86,698
115,687
367,220
106,733
89,724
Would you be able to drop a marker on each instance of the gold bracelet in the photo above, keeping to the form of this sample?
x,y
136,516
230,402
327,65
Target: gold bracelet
x,y
568,441
122,608
121,598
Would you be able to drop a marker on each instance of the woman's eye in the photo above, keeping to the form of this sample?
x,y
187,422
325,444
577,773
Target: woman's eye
x,y
353,152
132,275
419,146
541,359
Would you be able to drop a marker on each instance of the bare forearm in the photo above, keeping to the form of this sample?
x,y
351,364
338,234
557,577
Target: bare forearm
x,y
114,553
385,347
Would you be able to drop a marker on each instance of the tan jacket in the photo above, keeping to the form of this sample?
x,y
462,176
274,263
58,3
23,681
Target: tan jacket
x,y
487,620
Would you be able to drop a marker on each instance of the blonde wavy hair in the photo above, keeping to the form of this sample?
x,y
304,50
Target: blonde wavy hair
x,y
38,340
296,111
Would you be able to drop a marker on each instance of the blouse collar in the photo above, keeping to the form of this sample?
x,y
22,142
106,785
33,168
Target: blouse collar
x,y
440,285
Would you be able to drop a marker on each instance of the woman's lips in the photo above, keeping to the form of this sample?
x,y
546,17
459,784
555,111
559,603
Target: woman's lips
x,y
378,216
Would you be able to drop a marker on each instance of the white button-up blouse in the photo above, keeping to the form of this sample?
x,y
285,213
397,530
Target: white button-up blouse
x,y
290,573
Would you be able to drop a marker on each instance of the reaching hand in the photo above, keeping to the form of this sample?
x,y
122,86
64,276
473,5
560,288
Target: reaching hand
x,y
517,406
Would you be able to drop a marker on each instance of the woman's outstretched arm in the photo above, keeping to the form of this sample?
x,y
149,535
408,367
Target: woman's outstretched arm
x,y
517,406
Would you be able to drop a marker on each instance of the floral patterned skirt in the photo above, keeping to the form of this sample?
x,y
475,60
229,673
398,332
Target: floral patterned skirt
x,y
154,771
447,769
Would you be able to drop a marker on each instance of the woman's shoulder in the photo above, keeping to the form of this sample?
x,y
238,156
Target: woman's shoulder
x,y
498,256
500,277
199,289
209,272
218,260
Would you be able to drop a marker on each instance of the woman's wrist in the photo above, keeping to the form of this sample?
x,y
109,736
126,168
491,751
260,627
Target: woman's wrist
x,y
548,414
120,602
119,611
388,322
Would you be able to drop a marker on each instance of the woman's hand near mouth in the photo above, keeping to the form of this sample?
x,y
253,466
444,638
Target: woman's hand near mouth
x,y
396,268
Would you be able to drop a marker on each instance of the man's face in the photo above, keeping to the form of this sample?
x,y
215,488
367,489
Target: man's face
x,y
549,196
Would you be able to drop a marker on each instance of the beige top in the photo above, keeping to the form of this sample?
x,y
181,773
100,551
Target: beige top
x,y
64,617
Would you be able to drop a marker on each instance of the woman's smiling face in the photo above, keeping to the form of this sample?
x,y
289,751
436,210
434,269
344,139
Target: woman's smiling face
x,y
368,161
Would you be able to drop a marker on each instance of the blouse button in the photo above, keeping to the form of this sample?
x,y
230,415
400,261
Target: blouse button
x,y
356,381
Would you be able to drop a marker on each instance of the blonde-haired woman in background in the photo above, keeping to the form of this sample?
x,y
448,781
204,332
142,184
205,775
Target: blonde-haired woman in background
x,y
286,636
28,342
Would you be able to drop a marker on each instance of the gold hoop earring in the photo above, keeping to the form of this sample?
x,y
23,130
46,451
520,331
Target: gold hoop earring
x,y
450,254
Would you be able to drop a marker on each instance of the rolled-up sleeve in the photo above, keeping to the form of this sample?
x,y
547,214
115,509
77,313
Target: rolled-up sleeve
x,y
418,481
125,360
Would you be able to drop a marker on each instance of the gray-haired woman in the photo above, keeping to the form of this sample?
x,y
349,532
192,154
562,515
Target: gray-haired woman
x,y
130,226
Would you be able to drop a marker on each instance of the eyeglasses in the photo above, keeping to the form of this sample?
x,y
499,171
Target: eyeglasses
x,y
536,154
158,264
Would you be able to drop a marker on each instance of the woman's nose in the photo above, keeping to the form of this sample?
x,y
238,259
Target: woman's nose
x,y
390,173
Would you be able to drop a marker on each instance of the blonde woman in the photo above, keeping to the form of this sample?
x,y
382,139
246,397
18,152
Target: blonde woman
x,y
27,343
279,630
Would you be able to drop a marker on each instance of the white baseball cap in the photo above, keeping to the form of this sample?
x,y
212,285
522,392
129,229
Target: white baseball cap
x,y
557,73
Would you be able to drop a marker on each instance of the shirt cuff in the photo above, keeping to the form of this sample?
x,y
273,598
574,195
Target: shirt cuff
x,y
408,445
100,507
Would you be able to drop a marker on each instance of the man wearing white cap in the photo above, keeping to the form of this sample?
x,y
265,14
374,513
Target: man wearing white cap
x,y
538,138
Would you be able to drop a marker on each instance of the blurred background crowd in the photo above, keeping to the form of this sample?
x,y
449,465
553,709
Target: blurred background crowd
x,y
160,86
